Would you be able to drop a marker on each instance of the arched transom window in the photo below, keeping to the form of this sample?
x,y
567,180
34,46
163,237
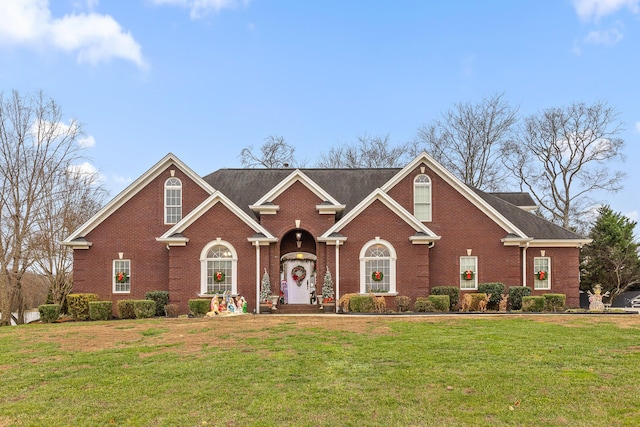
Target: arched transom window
x,y
378,267
172,201
422,198
218,268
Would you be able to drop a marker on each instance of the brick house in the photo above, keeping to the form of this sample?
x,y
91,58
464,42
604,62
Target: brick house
x,y
390,231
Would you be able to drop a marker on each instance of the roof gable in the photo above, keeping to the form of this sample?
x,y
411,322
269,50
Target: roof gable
x,y
423,233
129,192
173,236
508,226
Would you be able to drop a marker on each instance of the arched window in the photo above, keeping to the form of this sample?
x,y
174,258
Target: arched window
x,y
219,264
378,267
422,198
172,201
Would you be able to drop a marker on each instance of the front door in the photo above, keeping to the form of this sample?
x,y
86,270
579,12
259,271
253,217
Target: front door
x,y
300,280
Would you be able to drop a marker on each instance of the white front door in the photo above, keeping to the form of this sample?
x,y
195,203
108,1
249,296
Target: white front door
x,y
298,275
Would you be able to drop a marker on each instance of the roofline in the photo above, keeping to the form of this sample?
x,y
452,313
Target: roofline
x,y
131,190
209,202
296,175
379,194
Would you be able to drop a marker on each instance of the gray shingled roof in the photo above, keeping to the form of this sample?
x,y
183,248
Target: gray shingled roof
x,y
350,186
532,225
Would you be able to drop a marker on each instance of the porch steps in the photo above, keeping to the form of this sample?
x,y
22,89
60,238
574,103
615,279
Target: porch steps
x,y
298,309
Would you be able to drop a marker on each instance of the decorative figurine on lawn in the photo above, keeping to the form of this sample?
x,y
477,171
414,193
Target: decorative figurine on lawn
x,y
595,298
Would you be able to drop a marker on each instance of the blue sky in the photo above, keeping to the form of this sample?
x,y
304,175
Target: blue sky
x,y
205,78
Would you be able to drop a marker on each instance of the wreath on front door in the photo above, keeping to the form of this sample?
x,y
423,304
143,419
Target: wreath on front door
x,y
298,274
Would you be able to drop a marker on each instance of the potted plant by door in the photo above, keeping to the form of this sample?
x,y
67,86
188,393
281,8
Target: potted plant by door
x,y
328,301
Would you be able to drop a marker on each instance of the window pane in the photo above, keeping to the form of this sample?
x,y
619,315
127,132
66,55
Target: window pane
x,y
468,264
124,267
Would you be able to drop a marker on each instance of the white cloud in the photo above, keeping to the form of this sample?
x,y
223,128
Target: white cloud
x,y
47,131
633,215
87,141
201,8
605,37
93,37
589,10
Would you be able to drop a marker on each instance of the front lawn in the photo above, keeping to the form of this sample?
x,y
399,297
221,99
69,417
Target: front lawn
x,y
574,370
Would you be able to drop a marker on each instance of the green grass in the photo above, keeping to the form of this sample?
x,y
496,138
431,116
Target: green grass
x,y
288,371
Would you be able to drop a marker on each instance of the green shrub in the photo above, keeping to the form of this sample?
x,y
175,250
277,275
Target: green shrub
x,y
533,304
440,302
125,309
171,310
362,304
100,310
516,293
452,291
49,312
554,302
199,306
144,308
79,305
424,305
495,289
161,298
403,303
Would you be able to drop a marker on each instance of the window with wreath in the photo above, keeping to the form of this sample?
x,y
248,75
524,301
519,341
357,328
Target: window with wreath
x,y
121,276
378,267
219,266
542,273
468,272
422,198
172,201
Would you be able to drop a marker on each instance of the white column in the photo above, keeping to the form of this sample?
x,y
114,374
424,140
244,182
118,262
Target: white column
x,y
257,276
337,273
524,265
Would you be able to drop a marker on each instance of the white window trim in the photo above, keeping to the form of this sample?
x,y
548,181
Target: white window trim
x,y
393,257
475,274
203,265
113,276
430,202
166,187
536,282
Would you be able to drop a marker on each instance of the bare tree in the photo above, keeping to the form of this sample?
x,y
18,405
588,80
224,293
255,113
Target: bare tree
x,y
73,198
468,140
276,152
564,155
369,152
36,148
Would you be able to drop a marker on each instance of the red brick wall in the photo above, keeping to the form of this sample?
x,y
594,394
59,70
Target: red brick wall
x,y
132,230
565,273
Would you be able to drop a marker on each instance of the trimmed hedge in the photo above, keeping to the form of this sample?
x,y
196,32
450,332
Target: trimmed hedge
x,y
161,298
144,308
199,306
49,312
533,304
495,289
100,310
452,291
516,293
125,309
554,302
403,303
78,305
362,304
424,305
440,302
